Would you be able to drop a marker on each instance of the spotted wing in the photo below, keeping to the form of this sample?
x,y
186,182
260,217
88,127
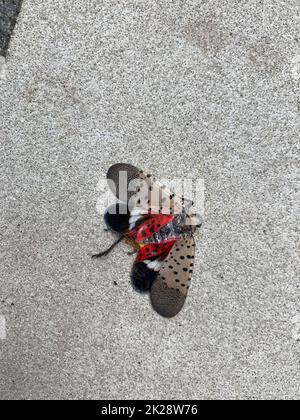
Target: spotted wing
x,y
142,191
169,290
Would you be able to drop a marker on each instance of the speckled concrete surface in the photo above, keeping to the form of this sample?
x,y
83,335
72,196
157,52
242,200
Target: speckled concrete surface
x,y
196,88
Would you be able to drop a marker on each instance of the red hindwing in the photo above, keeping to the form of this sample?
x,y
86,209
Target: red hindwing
x,y
158,250
153,224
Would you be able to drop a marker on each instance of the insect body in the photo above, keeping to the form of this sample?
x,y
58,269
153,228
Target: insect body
x,y
157,224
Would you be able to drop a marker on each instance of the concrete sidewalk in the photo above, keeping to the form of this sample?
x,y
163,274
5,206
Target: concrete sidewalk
x,y
185,89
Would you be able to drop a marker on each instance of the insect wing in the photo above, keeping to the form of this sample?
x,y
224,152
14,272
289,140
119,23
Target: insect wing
x,y
148,228
148,264
169,290
142,190
156,250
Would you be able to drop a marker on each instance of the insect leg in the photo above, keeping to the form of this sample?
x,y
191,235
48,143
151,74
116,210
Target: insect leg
x,y
104,253
132,252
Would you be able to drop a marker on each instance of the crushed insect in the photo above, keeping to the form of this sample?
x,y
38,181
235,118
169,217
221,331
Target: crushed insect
x,y
160,228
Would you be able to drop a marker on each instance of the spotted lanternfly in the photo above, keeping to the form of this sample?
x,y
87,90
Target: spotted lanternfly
x,y
160,227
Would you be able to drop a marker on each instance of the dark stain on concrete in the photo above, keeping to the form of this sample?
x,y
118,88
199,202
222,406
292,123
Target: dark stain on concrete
x,y
266,57
9,11
208,35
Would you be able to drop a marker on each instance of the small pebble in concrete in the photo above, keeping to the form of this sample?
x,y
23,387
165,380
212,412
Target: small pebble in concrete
x,y
296,329
2,328
296,66
2,68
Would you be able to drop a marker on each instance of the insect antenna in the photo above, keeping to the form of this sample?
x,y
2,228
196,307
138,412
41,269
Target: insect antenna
x,y
105,253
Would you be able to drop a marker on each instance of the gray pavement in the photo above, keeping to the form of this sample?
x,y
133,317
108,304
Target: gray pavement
x,y
186,88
